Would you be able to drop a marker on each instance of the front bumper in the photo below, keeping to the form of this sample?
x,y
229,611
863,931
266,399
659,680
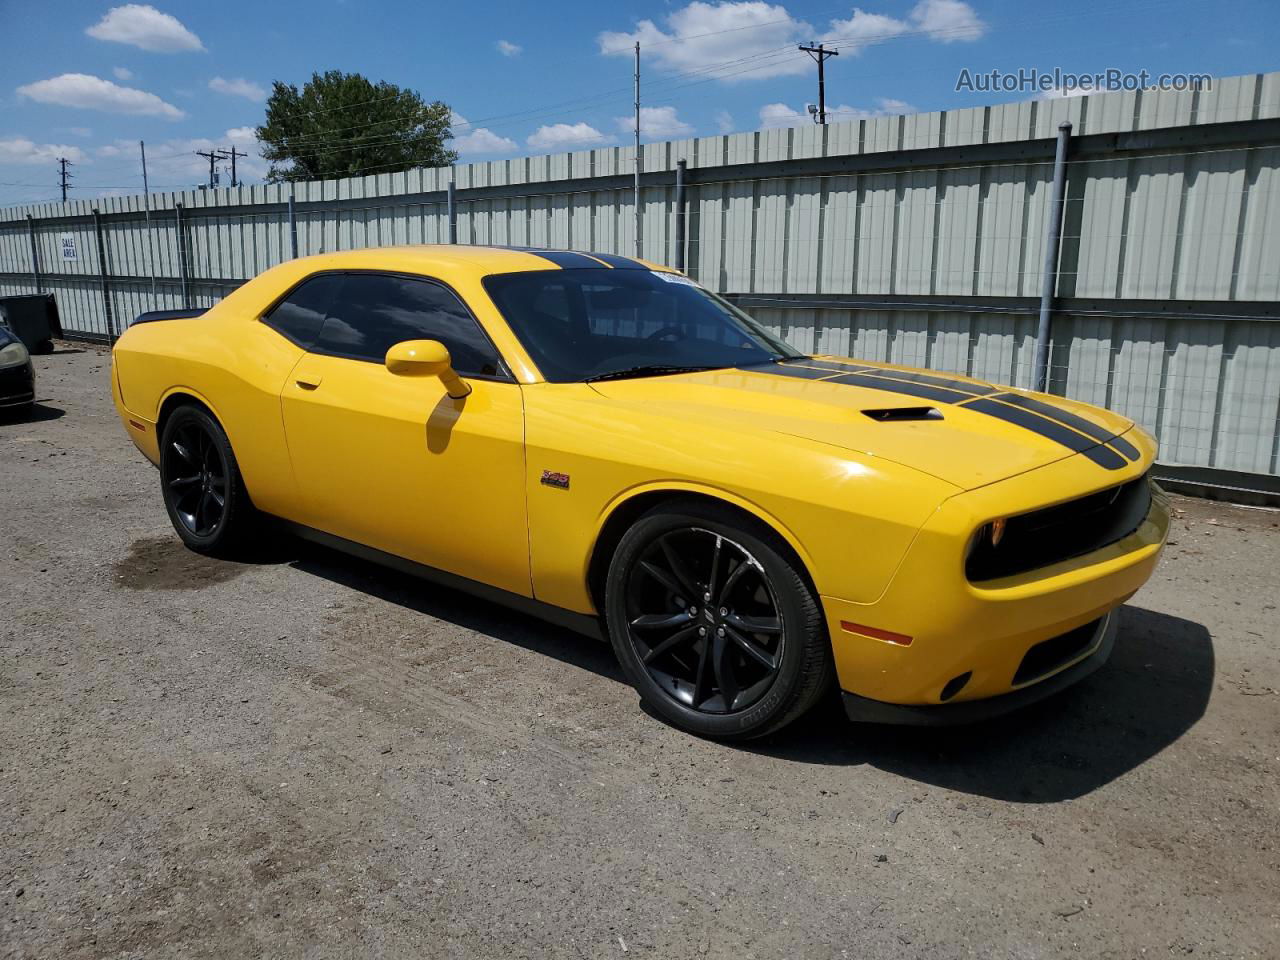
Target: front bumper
x,y
17,385
934,640
865,710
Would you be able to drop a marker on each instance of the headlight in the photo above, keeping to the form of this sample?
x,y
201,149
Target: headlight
x,y
13,355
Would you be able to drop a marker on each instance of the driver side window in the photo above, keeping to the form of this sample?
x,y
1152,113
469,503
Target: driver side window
x,y
373,312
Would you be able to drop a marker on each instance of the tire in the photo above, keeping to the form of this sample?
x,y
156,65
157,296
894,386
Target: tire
x,y
201,484
771,663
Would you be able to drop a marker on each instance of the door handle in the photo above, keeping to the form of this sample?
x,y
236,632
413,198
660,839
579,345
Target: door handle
x,y
307,383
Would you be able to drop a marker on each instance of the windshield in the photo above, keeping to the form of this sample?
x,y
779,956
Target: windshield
x,y
587,324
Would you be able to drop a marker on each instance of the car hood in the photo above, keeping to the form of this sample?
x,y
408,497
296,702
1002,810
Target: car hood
x,y
978,433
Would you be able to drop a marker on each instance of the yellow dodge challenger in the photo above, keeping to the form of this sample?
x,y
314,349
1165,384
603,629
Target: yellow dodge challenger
x,y
603,442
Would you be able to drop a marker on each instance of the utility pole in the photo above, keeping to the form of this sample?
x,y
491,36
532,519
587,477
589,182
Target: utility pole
x,y
233,153
213,156
151,240
63,176
820,57
637,183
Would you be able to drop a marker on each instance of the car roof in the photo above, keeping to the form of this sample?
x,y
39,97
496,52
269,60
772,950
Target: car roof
x,y
476,259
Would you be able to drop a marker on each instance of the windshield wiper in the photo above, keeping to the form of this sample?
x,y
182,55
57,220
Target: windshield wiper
x,y
647,370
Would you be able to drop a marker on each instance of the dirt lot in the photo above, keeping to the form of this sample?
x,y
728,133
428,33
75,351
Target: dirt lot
x,y
310,756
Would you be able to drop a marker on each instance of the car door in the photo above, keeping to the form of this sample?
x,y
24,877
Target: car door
x,y
393,462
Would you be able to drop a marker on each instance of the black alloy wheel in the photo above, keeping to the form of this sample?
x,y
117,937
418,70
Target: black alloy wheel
x,y
201,484
703,619
714,624
196,478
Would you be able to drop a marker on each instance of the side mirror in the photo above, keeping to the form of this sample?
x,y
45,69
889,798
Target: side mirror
x,y
426,358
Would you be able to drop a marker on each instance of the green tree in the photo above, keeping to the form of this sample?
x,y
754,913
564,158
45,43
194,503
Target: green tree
x,y
342,125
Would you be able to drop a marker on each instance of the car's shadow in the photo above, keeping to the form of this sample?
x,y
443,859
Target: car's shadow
x,y
462,609
1154,688
38,412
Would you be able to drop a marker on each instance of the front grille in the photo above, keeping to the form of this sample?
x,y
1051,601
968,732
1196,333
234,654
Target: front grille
x,y
1048,655
1072,529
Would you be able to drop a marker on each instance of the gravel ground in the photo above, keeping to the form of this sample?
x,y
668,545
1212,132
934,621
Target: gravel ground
x,y
309,756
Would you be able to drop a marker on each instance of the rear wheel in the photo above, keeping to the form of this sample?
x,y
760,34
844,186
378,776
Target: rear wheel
x,y
203,491
713,622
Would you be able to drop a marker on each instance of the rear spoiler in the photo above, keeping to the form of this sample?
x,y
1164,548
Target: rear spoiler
x,y
152,315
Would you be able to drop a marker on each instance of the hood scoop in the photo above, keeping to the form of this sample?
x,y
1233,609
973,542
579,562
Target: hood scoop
x,y
898,414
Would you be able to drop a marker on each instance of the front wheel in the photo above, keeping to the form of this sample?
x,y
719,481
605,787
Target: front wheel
x,y
203,491
714,624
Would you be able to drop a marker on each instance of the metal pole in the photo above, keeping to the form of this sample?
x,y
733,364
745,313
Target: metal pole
x,y
151,240
822,87
452,212
681,167
35,253
182,256
639,249
293,231
102,276
1052,236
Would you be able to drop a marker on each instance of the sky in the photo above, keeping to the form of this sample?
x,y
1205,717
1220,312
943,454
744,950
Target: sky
x,y
524,78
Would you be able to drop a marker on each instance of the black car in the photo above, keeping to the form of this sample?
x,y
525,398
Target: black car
x,y
17,376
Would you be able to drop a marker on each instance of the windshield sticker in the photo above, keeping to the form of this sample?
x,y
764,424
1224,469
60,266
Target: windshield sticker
x,y
674,278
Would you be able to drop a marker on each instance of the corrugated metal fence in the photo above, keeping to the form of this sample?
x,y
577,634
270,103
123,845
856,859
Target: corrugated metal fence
x,y
916,239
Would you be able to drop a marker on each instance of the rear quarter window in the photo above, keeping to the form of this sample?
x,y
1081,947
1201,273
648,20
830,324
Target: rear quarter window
x,y
300,315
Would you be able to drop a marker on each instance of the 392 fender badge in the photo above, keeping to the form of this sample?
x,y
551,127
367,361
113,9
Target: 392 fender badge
x,y
551,478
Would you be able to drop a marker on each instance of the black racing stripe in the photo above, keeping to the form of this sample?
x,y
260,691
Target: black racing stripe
x,y
851,366
1124,446
568,259
617,262
561,258
924,390
1050,429
1087,427
950,383
779,370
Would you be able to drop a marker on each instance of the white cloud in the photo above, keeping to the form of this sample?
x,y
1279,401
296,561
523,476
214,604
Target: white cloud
x,y
561,136
483,140
1061,93
122,73
509,49
142,25
93,93
863,29
752,39
660,122
944,21
709,33
22,150
238,87
78,131
724,121
948,21
480,140
781,115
